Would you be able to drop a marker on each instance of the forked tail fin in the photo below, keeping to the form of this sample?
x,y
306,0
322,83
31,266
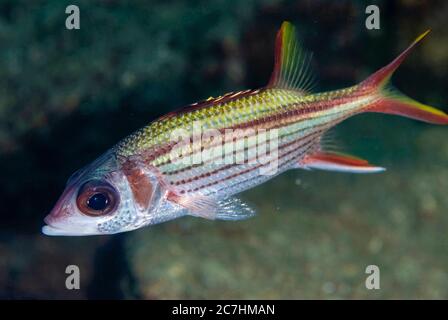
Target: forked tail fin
x,y
394,102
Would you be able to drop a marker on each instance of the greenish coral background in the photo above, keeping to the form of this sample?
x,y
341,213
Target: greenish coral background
x,y
67,96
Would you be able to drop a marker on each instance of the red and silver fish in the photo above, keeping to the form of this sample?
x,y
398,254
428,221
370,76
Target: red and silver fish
x,y
138,182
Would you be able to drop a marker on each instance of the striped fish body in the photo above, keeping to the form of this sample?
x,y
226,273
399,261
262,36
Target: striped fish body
x,y
194,161
246,121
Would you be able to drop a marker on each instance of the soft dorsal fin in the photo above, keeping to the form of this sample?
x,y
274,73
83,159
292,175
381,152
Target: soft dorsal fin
x,y
292,63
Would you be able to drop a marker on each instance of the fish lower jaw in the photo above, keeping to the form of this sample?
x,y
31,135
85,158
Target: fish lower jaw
x,y
53,231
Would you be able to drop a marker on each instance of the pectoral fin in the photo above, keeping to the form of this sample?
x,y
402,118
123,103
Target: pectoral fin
x,y
198,206
210,208
338,162
234,209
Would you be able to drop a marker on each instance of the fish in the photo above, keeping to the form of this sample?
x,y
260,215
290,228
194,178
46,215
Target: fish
x,y
156,174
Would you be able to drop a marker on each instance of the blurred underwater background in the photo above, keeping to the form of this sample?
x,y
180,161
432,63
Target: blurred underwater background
x,y
66,96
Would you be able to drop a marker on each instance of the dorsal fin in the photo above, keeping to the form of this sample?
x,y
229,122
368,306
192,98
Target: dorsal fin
x,y
292,63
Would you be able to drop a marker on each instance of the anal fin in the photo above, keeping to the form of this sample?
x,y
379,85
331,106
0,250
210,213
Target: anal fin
x,y
338,162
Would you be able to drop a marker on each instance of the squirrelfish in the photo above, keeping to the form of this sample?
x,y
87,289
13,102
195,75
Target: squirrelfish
x,y
149,177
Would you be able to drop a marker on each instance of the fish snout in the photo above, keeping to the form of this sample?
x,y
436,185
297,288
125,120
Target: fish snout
x,y
62,209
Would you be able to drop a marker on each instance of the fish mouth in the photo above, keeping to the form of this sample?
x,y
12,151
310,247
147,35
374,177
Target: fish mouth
x,y
53,231
50,230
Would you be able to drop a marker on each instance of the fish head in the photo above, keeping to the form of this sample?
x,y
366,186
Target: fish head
x,y
104,197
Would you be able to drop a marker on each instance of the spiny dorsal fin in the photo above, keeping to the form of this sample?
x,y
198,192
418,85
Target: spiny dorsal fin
x,y
292,63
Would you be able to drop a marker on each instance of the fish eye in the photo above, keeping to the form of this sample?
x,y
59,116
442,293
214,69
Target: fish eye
x,y
98,201
97,198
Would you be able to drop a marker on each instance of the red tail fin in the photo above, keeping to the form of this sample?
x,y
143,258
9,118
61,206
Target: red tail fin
x,y
394,102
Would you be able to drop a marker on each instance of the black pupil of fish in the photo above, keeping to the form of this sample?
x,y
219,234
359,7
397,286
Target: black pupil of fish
x,y
98,202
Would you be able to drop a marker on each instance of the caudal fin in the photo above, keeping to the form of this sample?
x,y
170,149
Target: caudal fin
x,y
394,102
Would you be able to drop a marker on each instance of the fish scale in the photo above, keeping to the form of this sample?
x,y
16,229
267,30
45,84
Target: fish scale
x,y
293,114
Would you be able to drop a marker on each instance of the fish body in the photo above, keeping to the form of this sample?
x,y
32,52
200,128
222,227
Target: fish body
x,y
194,161
300,121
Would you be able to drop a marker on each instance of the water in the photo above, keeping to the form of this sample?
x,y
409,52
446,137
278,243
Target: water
x,y
67,96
